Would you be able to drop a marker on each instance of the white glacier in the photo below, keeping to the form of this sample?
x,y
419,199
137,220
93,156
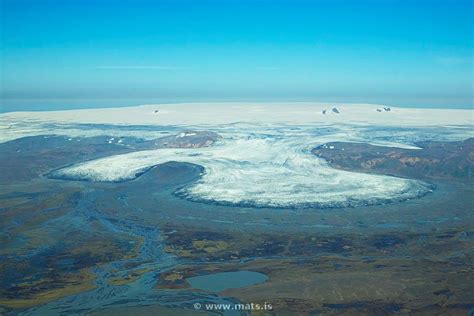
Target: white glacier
x,y
264,156
263,167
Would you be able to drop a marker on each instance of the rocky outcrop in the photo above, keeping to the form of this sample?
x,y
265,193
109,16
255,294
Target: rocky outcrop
x,y
189,139
449,160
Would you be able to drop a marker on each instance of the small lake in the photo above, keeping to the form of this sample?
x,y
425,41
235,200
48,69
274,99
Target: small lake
x,y
218,282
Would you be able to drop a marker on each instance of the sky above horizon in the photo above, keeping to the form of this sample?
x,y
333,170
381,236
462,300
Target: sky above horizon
x,y
409,53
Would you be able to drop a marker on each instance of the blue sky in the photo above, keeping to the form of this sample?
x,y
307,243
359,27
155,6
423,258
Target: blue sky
x,y
409,53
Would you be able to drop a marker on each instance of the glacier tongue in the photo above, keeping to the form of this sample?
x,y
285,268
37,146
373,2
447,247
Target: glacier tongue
x,y
260,167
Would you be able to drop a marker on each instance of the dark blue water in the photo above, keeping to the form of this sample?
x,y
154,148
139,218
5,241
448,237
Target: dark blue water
x,y
71,104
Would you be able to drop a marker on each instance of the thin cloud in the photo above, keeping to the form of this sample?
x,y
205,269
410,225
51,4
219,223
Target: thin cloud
x,y
266,68
453,60
119,67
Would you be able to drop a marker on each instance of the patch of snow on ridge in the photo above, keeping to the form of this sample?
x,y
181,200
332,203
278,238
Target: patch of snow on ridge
x,y
258,168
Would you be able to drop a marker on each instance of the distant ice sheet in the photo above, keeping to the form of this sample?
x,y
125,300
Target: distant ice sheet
x,y
269,113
